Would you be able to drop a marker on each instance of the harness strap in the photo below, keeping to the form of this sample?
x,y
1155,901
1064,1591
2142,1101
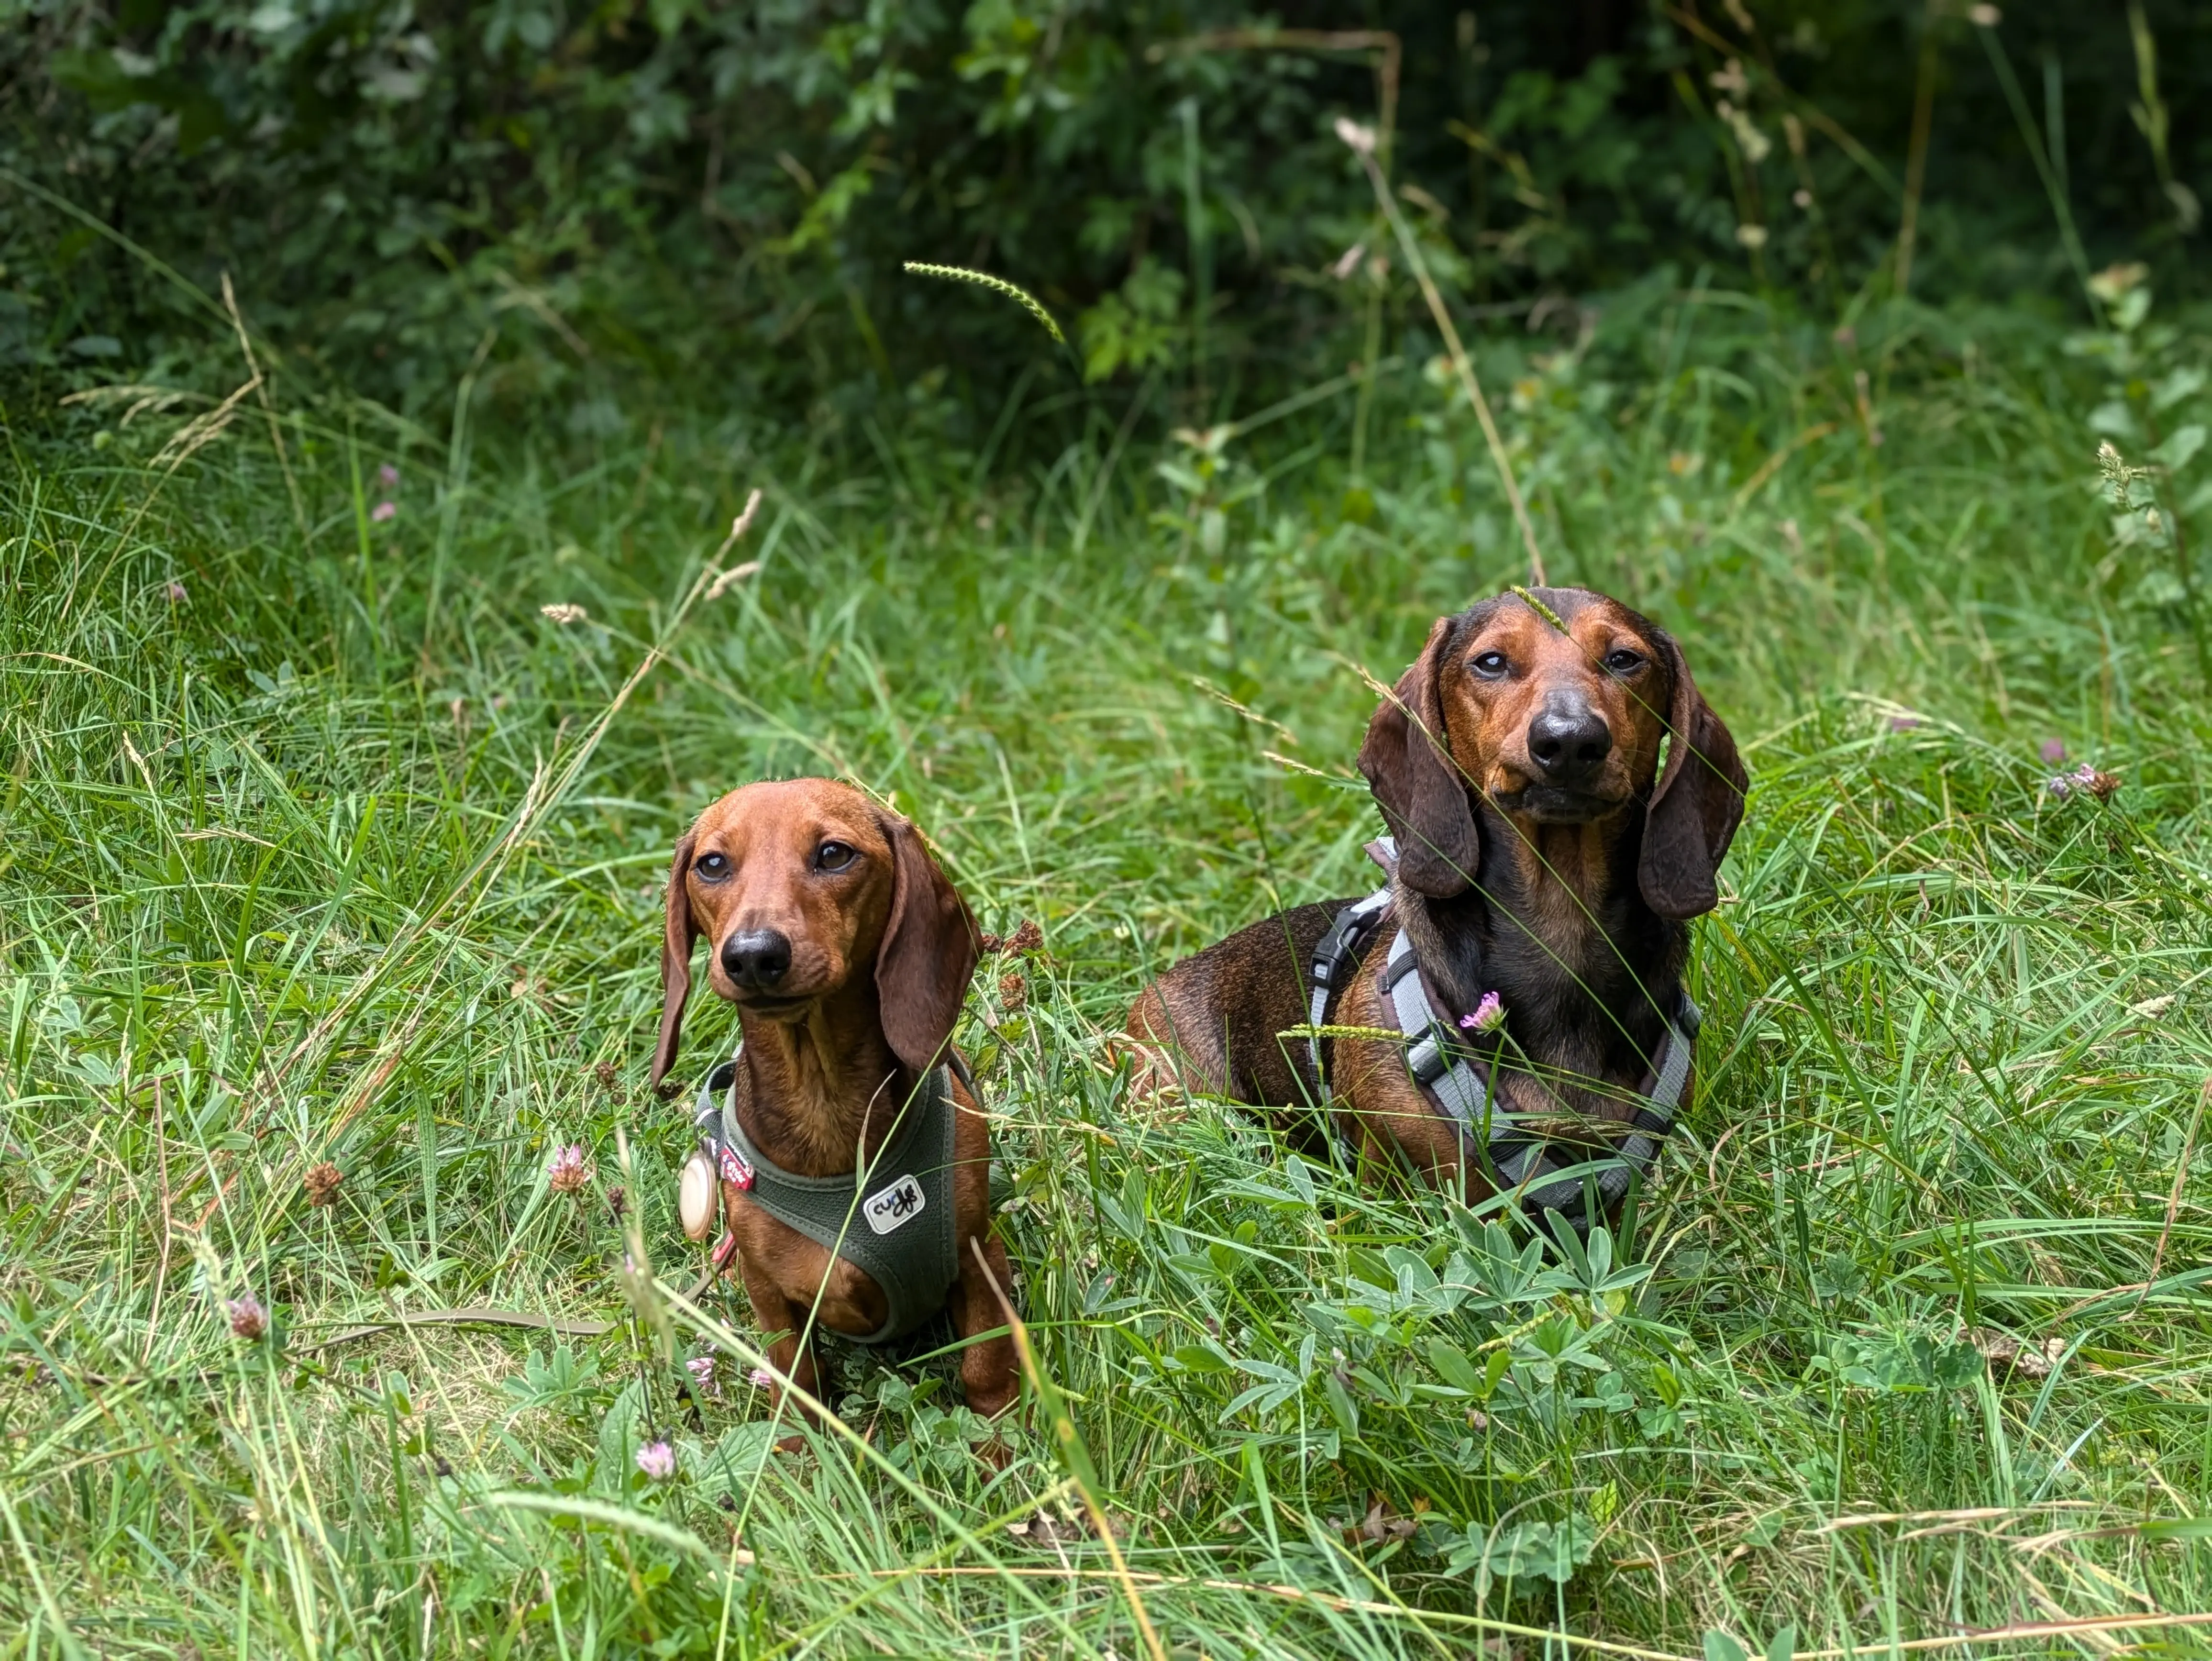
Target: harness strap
x,y
1334,961
1439,1065
958,1063
899,1233
1551,1178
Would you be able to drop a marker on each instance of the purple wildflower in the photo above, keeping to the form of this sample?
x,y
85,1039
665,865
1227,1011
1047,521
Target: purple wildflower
x,y
1903,723
383,510
567,1172
2084,777
761,1378
247,1318
388,476
176,591
656,1460
2052,751
702,1369
1487,1017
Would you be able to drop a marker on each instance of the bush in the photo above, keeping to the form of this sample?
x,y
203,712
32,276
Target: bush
x,y
689,188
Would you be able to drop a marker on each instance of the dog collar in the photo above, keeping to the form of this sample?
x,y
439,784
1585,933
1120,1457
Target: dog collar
x,y
892,1221
1550,1178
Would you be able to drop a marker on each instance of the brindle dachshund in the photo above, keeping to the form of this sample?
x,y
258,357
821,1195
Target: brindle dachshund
x,y
847,954
1542,854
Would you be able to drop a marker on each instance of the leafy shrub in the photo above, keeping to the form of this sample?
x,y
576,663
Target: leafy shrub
x,y
726,188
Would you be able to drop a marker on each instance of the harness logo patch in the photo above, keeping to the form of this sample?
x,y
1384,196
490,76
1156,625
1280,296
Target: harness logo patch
x,y
891,1208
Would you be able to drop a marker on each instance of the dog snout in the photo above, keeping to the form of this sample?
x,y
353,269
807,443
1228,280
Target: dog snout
x,y
1569,741
757,959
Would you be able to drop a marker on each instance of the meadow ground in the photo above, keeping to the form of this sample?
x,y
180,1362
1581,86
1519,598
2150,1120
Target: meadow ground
x,y
324,845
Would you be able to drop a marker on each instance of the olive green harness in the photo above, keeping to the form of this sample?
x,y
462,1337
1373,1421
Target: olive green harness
x,y
891,1219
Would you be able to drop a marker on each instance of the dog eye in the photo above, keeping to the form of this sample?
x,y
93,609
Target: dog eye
x,y
712,866
832,856
1490,665
1622,661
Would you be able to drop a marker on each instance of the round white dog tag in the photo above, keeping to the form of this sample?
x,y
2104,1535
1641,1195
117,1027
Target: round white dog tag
x,y
696,1198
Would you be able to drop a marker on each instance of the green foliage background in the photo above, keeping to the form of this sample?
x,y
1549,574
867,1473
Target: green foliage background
x,y
695,189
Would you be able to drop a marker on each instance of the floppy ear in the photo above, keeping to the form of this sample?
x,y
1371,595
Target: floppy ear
x,y
1695,806
928,954
1416,783
675,960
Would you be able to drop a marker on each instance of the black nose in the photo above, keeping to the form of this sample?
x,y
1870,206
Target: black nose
x,y
755,957
1568,741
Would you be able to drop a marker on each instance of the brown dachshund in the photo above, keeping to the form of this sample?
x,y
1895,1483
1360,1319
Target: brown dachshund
x,y
1543,854
847,954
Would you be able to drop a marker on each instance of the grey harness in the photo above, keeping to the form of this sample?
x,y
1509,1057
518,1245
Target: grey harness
x,y
899,1233
1455,1078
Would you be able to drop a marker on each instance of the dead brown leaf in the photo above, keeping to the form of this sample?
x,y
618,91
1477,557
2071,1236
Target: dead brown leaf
x,y
1381,1524
2031,1360
1070,1527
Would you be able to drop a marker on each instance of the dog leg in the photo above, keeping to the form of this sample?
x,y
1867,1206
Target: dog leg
x,y
773,1313
989,1374
1173,1045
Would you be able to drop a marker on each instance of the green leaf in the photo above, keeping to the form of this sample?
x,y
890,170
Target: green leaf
x,y
1342,1407
1545,1551
1203,1357
1719,1647
2181,448
616,1516
2182,383
2178,1528
1453,1366
99,77
1494,1370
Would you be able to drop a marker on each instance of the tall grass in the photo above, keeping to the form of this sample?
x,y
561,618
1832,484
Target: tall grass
x,y
301,867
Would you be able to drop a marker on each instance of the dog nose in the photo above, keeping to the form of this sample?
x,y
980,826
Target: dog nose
x,y
1568,741
756,958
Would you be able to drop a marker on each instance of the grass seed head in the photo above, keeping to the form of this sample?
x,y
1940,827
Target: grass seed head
x,y
1019,296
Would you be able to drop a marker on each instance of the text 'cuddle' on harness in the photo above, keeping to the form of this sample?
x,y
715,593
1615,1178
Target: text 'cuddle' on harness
x,y
1455,1077
892,1218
